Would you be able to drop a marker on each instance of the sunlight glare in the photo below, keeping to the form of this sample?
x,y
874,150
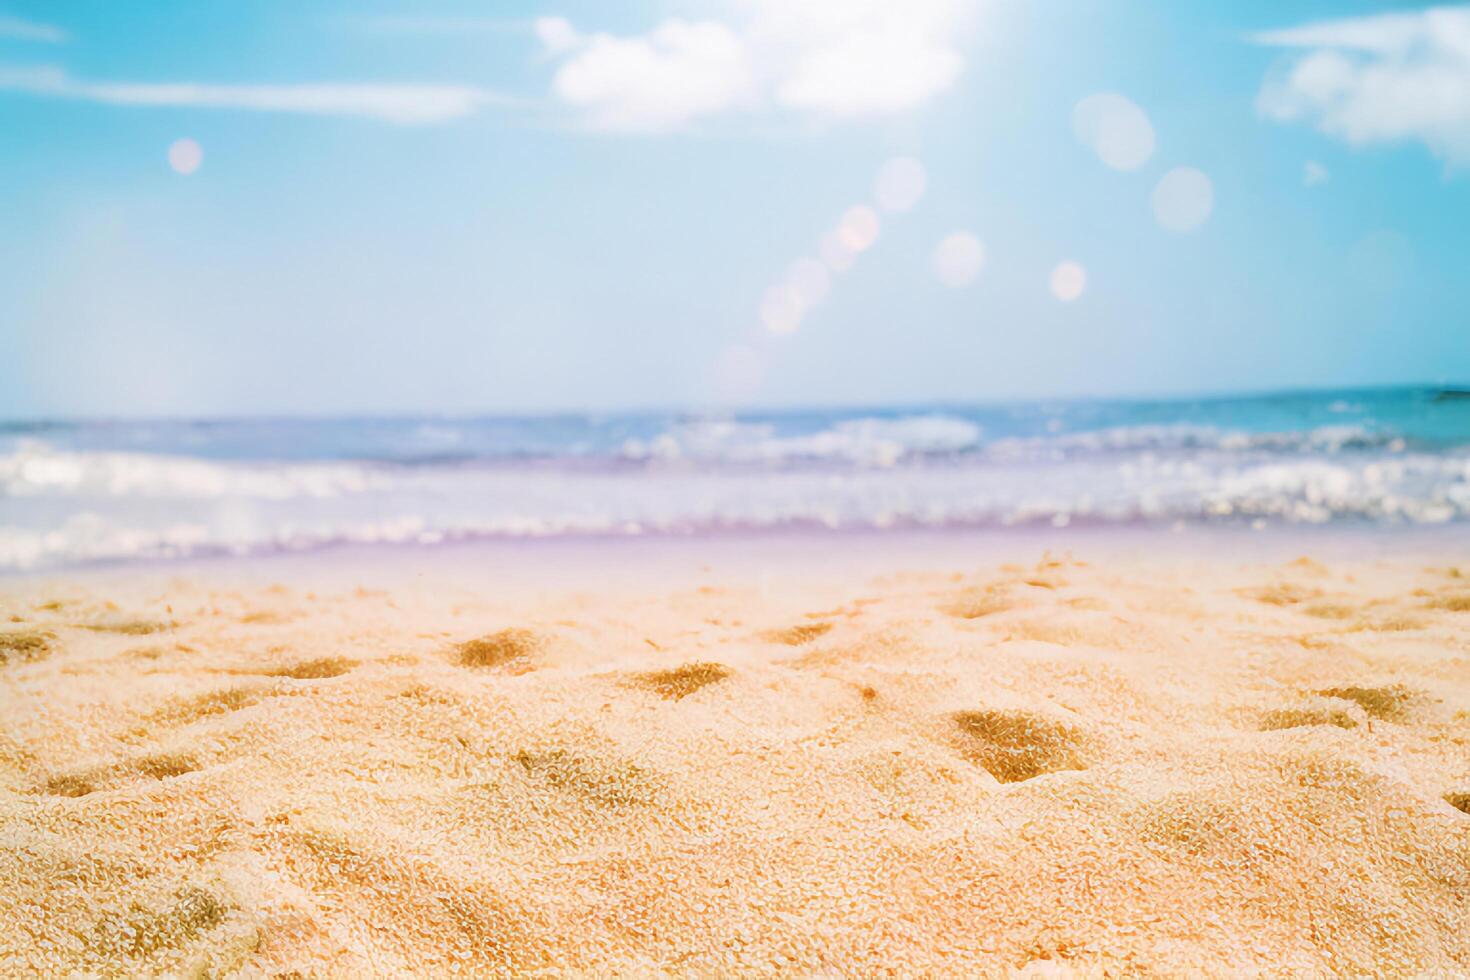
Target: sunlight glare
x,y
1114,128
837,256
900,184
958,258
1183,199
1068,280
810,280
782,309
185,156
858,229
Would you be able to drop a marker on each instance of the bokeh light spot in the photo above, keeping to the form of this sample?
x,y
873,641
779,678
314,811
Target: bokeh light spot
x,y
958,258
810,280
900,184
782,309
1115,129
858,229
1068,280
835,254
1183,199
185,156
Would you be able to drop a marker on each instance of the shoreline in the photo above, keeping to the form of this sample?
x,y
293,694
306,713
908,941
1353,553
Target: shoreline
x,y
549,561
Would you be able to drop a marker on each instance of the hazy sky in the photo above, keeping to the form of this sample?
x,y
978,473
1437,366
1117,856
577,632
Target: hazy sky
x,y
301,206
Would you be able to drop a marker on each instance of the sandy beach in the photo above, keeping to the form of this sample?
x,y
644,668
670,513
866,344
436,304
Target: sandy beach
x,y
1036,760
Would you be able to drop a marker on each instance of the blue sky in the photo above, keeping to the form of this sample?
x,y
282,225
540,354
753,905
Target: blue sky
x,y
464,207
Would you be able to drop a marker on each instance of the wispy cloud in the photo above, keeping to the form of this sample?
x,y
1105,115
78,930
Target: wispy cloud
x,y
829,58
403,104
16,29
1380,79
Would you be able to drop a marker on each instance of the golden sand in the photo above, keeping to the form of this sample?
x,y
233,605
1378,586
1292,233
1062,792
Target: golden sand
x,y
1105,768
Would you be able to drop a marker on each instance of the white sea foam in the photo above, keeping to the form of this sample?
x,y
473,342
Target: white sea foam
x,y
1180,437
865,441
86,512
35,469
118,491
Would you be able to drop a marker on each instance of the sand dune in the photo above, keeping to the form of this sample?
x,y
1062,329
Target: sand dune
x,y
1115,767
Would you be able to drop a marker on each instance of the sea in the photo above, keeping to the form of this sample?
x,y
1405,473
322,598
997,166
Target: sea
x,y
85,492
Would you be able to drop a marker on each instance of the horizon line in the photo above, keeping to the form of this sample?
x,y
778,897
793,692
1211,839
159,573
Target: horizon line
x,y
1211,395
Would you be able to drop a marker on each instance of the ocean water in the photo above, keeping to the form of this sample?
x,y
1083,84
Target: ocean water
x,y
80,492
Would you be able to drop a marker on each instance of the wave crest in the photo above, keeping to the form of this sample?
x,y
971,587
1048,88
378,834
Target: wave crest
x,y
36,469
864,441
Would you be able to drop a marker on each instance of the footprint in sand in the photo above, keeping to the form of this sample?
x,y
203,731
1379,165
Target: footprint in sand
x,y
1016,745
160,766
1284,718
795,636
25,646
186,711
680,682
1207,826
128,627
311,670
606,782
1330,610
978,604
1284,594
497,649
1390,624
1385,703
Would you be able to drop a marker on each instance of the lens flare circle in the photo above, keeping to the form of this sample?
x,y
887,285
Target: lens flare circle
x,y
1183,199
858,229
1115,129
958,258
1068,281
185,156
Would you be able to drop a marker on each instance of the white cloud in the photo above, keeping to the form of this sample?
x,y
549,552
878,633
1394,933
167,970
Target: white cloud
x,y
1381,79
1379,33
405,104
834,58
661,80
860,57
16,29
556,34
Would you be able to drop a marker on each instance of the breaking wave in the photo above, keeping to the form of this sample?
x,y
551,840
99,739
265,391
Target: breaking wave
x,y
83,492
